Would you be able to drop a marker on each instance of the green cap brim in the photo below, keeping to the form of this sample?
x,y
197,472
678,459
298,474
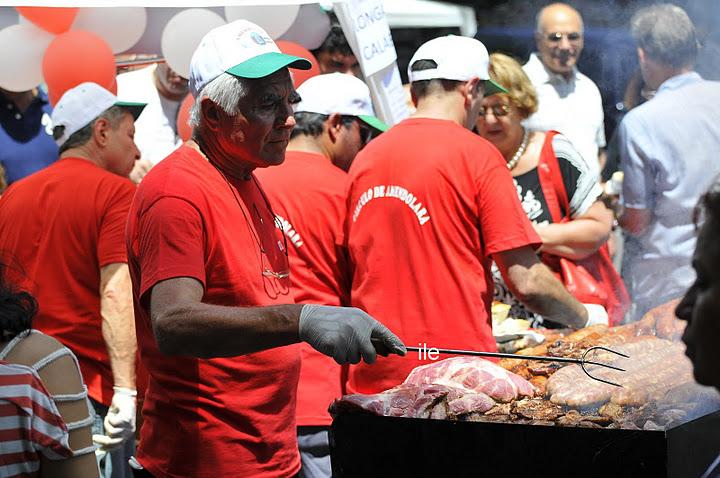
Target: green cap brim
x,y
374,122
492,88
134,108
267,64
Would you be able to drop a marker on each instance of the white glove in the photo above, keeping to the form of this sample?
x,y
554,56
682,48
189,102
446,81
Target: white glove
x,y
347,334
596,315
120,419
106,444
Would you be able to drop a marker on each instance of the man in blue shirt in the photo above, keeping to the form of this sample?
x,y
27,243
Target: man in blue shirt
x,y
669,154
26,142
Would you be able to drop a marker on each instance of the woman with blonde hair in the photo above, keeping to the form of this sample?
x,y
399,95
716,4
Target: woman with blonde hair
x,y
558,191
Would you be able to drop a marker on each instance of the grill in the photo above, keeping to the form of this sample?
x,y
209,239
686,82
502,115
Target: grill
x,y
364,445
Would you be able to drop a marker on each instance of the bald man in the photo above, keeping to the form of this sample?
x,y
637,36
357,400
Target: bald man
x,y
569,101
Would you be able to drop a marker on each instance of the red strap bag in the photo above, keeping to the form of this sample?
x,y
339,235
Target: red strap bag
x,y
592,280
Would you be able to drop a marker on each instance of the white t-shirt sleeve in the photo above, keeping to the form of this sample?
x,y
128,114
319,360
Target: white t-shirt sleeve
x,y
581,182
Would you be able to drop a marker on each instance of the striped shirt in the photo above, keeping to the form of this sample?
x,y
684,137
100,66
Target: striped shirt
x,y
30,423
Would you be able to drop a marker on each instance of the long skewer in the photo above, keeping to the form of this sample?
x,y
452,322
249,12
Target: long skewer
x,y
581,361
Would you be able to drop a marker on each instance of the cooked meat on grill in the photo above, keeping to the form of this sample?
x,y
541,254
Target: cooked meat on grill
x,y
544,368
573,418
655,365
539,382
658,390
473,374
500,409
612,410
537,409
667,325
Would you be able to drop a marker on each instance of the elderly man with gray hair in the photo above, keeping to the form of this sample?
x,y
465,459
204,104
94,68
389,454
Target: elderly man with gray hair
x,y
215,319
668,152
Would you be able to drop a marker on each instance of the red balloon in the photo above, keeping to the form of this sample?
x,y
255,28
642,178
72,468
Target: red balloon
x,y
183,128
299,76
76,57
55,20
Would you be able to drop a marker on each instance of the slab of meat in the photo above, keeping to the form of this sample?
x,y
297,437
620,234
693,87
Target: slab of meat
x,y
655,365
425,401
474,375
537,409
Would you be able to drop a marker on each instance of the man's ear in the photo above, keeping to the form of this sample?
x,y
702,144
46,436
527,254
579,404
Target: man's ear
x,y
471,90
641,55
101,132
211,113
538,39
334,125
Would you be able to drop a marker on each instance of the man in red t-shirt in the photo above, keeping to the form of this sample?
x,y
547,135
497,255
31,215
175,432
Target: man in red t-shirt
x,y
335,119
215,319
63,228
430,204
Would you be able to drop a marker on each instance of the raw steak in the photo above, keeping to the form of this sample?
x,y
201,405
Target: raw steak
x,y
412,401
473,375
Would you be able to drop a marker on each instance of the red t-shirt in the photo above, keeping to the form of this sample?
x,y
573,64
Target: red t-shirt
x,y
211,417
307,193
429,202
59,227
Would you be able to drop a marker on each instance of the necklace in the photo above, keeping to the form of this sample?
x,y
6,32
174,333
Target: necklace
x,y
518,154
267,271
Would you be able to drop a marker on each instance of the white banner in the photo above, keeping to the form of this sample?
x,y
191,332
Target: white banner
x,y
384,82
376,49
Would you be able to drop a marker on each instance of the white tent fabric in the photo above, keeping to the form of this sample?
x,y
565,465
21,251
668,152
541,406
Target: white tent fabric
x,y
430,14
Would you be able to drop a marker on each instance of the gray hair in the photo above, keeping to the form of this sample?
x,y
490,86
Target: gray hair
x,y
112,115
226,91
666,34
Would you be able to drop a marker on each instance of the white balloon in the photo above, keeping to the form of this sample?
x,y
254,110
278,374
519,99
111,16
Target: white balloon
x,y
22,47
182,36
120,27
310,28
8,16
274,19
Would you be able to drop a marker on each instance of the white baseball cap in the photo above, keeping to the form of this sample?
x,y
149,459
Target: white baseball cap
x,y
458,58
338,93
80,105
242,49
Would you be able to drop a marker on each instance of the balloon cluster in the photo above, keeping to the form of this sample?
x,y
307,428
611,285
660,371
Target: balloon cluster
x,y
67,46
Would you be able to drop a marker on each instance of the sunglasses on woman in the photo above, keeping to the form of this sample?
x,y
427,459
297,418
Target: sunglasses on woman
x,y
499,110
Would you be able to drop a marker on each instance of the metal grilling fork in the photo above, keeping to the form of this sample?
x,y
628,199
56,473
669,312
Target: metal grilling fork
x,y
582,361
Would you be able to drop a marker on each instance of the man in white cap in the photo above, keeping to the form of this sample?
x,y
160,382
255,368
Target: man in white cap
x,y
430,204
335,120
210,271
64,227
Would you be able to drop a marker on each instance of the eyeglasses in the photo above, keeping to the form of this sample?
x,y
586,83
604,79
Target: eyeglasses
x,y
557,36
269,252
499,110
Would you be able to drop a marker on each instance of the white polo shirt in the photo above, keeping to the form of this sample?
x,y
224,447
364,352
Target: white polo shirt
x,y
155,129
572,107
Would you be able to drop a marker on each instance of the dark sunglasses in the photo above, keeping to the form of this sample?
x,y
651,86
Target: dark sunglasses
x,y
498,110
366,132
557,36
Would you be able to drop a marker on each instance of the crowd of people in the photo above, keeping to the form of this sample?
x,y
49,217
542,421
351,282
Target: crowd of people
x,y
230,287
